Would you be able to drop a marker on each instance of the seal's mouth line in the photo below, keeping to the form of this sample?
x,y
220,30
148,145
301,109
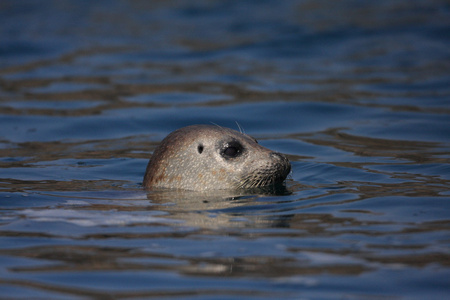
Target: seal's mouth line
x,y
255,181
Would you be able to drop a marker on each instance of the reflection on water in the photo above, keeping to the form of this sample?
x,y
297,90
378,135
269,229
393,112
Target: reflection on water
x,y
355,94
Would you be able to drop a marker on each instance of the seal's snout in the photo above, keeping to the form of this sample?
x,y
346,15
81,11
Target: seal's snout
x,y
283,162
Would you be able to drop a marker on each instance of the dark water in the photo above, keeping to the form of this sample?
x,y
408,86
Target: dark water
x,y
356,93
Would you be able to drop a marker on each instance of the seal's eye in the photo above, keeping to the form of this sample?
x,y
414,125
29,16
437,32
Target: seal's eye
x,y
200,148
231,152
232,149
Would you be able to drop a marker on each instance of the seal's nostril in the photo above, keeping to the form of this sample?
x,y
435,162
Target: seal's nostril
x,y
283,162
277,155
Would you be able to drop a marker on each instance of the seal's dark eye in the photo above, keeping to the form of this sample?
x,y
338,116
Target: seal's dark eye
x,y
200,148
232,149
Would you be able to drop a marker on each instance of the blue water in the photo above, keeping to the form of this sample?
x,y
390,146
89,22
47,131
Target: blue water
x,y
355,93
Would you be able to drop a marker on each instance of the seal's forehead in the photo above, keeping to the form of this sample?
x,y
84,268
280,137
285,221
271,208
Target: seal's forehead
x,y
239,135
210,133
217,132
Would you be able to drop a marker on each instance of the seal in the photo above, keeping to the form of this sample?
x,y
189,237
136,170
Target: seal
x,y
208,157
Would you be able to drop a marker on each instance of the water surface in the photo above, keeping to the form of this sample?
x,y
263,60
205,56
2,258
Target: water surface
x,y
355,93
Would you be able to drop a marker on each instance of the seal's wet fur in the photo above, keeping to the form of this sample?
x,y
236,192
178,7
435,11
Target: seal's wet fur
x,y
208,157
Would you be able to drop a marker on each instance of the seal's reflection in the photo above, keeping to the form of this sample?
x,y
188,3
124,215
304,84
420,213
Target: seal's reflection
x,y
215,209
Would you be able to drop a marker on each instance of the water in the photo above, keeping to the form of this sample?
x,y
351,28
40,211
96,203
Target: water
x,y
356,93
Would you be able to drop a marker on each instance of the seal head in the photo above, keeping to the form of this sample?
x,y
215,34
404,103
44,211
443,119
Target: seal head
x,y
207,157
